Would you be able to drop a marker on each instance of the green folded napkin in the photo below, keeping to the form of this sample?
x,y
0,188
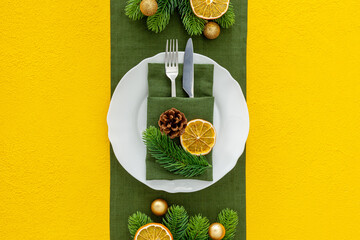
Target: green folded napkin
x,y
160,100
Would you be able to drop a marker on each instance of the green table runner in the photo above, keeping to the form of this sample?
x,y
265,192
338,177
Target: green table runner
x,y
160,100
131,42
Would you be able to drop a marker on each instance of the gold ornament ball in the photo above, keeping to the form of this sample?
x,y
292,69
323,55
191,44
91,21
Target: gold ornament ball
x,y
216,231
211,30
148,7
159,207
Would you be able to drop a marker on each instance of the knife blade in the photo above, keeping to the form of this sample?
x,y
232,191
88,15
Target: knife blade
x,y
188,71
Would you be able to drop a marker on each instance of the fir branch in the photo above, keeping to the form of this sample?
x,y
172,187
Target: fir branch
x,y
132,10
136,221
171,156
193,24
228,19
161,18
230,220
170,4
158,21
176,220
198,228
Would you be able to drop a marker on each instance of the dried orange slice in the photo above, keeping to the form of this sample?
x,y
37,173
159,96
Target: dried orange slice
x,y
209,9
153,231
199,137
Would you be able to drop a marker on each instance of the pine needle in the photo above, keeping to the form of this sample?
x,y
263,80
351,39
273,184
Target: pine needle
x,y
161,18
158,21
136,221
132,10
198,228
176,220
193,24
228,19
229,219
171,156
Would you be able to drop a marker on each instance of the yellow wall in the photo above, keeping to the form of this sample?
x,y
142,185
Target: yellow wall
x,y
303,158
54,94
303,152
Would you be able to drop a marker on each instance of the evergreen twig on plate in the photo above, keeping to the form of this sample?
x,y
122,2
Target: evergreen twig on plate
x,y
198,228
171,156
228,19
176,220
132,10
229,219
136,221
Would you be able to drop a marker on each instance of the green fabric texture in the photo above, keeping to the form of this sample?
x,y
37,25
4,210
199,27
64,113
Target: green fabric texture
x,y
131,42
159,100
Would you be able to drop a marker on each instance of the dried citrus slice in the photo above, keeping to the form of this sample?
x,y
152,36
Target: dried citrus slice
x,y
153,231
199,137
209,9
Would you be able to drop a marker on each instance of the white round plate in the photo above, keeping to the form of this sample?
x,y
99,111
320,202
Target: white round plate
x,y
127,120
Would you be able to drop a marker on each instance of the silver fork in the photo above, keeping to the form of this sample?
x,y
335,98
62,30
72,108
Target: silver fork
x,y
172,63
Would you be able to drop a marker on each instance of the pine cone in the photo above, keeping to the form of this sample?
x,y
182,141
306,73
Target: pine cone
x,y
172,122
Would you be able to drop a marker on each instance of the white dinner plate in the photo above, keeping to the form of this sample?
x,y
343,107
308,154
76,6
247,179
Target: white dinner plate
x,y
127,120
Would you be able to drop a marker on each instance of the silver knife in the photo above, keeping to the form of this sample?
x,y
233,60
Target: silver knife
x,y
188,71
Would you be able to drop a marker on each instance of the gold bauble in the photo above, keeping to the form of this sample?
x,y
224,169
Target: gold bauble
x,y
216,231
159,207
148,7
211,30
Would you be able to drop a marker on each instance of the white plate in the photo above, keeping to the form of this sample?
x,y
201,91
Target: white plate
x,y
127,120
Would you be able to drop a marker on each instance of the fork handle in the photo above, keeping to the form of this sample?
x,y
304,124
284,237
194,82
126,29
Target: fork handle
x,y
173,89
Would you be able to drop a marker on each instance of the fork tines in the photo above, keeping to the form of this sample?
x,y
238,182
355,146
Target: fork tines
x,y
171,53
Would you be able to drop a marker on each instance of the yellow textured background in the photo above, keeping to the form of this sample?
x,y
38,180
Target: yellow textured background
x,y
303,152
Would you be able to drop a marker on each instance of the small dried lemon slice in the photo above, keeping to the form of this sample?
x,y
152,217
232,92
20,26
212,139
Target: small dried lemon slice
x,y
199,137
209,9
153,231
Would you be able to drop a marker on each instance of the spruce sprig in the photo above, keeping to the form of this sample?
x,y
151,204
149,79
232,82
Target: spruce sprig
x,y
198,228
132,10
176,220
193,24
171,156
161,18
228,19
136,221
229,219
